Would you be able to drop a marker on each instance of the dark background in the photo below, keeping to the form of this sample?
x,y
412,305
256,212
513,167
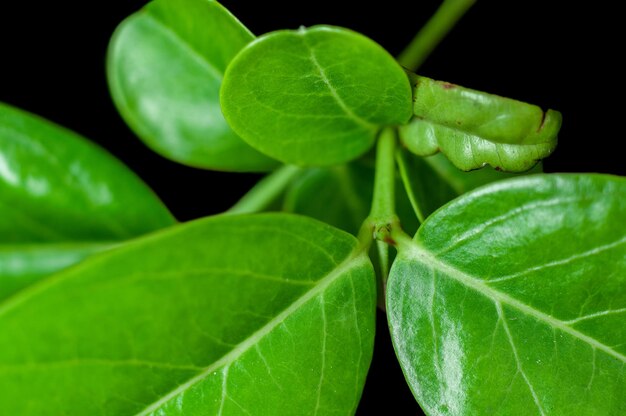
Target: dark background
x,y
555,54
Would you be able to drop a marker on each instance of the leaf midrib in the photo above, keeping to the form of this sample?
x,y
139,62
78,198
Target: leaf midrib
x,y
331,88
355,259
414,251
182,42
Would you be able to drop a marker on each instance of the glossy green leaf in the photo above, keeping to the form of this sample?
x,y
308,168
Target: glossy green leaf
x,y
61,197
22,265
430,182
165,66
342,196
511,300
474,129
265,315
314,96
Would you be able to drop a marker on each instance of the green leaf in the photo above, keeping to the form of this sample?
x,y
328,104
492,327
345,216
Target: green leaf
x,y
474,129
22,265
165,66
314,96
430,182
511,300
62,197
269,314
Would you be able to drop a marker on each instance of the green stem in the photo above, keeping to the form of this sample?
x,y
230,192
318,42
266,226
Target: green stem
x,y
433,32
403,240
382,218
383,213
383,255
266,191
406,180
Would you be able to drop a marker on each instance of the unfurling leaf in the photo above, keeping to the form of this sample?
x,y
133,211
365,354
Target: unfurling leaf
x,y
474,129
314,96
510,300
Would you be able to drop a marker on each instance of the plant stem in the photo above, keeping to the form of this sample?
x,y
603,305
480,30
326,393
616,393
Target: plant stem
x,y
382,218
383,255
403,240
444,19
383,213
266,191
404,175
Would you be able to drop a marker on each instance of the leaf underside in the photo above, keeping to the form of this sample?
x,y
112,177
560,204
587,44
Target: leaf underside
x,y
265,315
511,300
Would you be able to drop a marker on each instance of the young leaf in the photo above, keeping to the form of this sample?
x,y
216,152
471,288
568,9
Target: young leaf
x,y
268,314
430,182
61,198
474,129
511,300
314,96
165,66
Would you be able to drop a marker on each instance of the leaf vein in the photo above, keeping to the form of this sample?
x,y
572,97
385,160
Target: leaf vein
x,y
520,369
267,366
224,389
477,230
595,315
333,91
323,369
360,339
195,54
356,259
593,368
560,262
423,255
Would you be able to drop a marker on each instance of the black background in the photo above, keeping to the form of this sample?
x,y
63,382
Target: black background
x,y
555,54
